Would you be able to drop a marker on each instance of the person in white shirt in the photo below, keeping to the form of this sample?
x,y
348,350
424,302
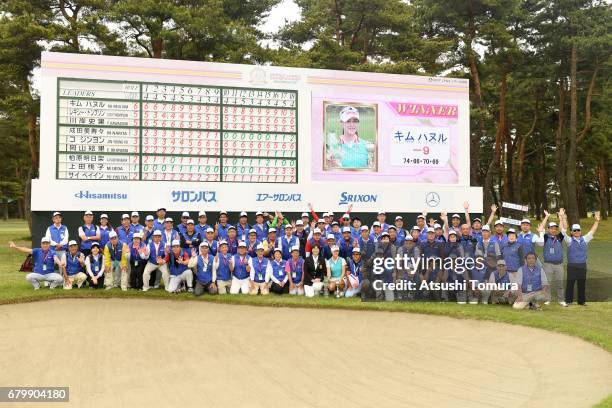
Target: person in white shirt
x,y
261,271
57,233
239,265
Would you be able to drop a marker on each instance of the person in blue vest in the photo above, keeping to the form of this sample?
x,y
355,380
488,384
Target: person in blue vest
x,y
295,269
135,222
243,227
440,234
241,271
453,250
221,268
552,241
105,228
532,284
302,236
156,263
252,243
577,255
260,226
94,265
169,234
222,226
366,243
202,224
287,242
512,252
376,231
147,232
501,278
72,264
356,227
270,243
393,238
261,271
116,262
158,224
335,229
177,260
183,224
210,239
455,223
346,243
232,240
354,274
399,227
499,235
125,231
57,234
44,259
88,233
476,229
381,217
316,238
490,250
205,278
138,255
306,222
280,278
421,223
330,241
526,238
190,238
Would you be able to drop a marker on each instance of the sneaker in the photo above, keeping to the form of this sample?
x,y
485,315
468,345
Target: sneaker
x,y
46,284
36,288
145,289
473,302
190,290
156,287
124,289
563,304
108,287
461,303
548,303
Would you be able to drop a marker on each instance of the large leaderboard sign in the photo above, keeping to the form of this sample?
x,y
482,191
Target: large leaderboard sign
x,y
123,133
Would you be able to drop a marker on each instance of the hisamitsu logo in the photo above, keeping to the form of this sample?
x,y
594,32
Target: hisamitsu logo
x,y
88,195
346,198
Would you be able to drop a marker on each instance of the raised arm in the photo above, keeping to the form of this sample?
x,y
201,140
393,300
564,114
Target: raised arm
x,y
595,224
19,248
466,207
492,215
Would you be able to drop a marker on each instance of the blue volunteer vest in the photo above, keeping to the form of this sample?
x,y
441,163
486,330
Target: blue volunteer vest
x,y
43,261
201,229
531,280
278,270
501,279
553,249
242,232
577,251
287,245
469,246
252,248
526,242
175,267
115,253
89,232
212,247
355,269
125,235
135,255
223,270
96,264
73,266
154,254
511,255
204,271
262,232
240,267
260,267
222,231
296,269
104,235
58,234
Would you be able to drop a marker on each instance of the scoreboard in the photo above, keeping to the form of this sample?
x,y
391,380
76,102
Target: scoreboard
x,y
117,130
124,133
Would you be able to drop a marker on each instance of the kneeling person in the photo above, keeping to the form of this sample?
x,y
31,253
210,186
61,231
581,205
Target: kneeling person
x,y
205,276
71,265
241,271
178,265
295,268
261,270
115,262
532,284
44,262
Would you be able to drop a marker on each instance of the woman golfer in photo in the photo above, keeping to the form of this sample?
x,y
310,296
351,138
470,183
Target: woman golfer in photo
x,y
347,151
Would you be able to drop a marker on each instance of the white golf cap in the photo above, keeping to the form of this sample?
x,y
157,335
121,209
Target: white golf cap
x,y
437,226
420,216
176,242
452,232
190,221
552,224
511,231
356,250
576,227
364,228
185,214
204,244
392,227
222,242
259,213
384,234
346,217
57,213
157,233
137,235
429,229
455,216
112,234
331,214
346,229
209,229
299,222
168,220
72,242
271,230
242,244
316,231
102,216
252,231
288,226
88,212
415,228
486,228
259,247
202,214
499,222
349,112
320,221
278,250
334,248
325,214
243,214
376,224
149,218
331,236
382,213
135,214
124,216
223,212
304,214
525,221
399,217
45,240
295,248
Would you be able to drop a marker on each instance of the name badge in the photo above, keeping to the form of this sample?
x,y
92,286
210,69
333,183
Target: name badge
x,y
44,267
96,268
529,288
552,251
293,275
259,276
135,263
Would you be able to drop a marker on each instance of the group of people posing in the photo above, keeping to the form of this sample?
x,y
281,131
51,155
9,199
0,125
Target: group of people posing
x,y
317,256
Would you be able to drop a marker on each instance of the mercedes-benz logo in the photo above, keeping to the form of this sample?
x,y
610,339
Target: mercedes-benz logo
x,y
432,199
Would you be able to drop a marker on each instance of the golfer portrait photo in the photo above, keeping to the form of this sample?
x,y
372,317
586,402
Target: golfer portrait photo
x,y
350,137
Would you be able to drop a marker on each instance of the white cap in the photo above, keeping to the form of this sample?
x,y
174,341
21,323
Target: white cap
x,y
137,235
103,216
176,242
576,227
511,231
364,228
299,222
499,222
552,224
325,214
349,112
346,217
259,246
399,217
252,231
157,233
202,214
243,214
190,221
392,227
420,216
525,221
334,248
278,250
346,229
222,242
288,226
316,231
88,212
356,250
304,214
382,213
112,234
56,213
455,216
416,228
124,216
384,234
259,213
185,214
486,228
376,224
72,242
45,239
331,214
204,244
295,248
223,212
242,244
436,226
149,218
135,214
331,236
209,229
168,220
452,232
429,229
271,230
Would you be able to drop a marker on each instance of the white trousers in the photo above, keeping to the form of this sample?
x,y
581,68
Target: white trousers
x,y
146,275
314,289
176,280
54,279
240,285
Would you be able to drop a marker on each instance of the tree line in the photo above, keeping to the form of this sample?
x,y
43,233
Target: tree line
x,y
538,70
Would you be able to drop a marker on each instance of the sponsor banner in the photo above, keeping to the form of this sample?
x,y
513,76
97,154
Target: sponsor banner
x,y
517,207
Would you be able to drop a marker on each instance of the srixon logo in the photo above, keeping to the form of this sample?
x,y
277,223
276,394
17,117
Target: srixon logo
x,y
346,198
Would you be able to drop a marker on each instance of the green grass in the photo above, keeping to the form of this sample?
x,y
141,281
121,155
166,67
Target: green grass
x,y
593,323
